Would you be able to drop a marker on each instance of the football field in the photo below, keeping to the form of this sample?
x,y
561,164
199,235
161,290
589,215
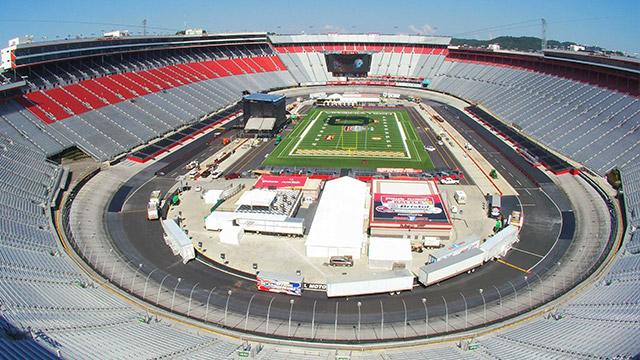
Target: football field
x,y
352,138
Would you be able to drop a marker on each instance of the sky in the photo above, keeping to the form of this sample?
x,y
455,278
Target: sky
x,y
612,24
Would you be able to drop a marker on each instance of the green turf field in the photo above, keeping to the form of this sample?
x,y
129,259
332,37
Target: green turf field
x,y
352,138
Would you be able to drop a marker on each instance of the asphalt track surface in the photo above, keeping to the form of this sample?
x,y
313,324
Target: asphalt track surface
x,y
543,234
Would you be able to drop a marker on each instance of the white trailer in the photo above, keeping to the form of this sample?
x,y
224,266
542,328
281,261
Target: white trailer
x,y
452,266
460,196
177,240
431,242
371,283
497,246
455,249
153,206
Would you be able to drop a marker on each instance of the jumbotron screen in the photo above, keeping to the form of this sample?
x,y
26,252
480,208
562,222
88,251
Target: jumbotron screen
x,y
348,63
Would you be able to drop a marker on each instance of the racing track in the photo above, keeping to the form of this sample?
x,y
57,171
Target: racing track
x,y
548,232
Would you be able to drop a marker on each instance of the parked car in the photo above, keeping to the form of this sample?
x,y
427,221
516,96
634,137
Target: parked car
x,y
231,176
216,174
205,174
440,142
449,181
346,261
191,165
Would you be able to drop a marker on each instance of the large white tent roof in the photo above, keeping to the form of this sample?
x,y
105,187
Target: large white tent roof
x,y
257,197
338,221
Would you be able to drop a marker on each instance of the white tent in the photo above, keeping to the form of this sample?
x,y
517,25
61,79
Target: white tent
x,y
338,225
384,252
257,197
212,196
231,235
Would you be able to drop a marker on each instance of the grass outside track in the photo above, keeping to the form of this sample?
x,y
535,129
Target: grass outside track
x,y
316,142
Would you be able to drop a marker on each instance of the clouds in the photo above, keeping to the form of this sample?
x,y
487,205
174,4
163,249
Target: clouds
x,y
425,29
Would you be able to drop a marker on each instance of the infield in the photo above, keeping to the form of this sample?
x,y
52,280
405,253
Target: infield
x,y
352,138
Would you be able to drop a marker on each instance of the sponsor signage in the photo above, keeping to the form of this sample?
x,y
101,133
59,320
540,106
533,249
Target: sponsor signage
x,y
408,208
314,286
279,286
276,181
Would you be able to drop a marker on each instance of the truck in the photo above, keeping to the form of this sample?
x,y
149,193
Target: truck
x,y
153,206
464,262
290,284
177,240
499,244
392,282
455,249
495,206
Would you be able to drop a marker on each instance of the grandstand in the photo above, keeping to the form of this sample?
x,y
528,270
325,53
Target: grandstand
x,y
50,307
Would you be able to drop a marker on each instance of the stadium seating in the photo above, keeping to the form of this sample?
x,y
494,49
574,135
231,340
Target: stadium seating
x,y
307,63
49,308
109,115
576,119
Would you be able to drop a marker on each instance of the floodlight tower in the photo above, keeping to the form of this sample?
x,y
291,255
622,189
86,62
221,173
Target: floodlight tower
x,y
144,27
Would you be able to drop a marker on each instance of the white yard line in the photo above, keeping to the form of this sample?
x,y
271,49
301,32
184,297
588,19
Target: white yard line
x,y
304,133
402,135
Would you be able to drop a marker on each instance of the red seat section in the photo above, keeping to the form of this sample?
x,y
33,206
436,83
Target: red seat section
x,y
63,98
100,91
63,102
35,110
84,95
244,66
116,88
231,66
159,83
176,75
129,84
217,68
164,78
48,105
276,60
263,63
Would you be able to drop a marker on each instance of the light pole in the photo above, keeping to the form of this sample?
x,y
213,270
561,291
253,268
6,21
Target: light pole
x,y
190,295
268,312
160,288
122,272
484,305
529,291
206,315
541,286
246,317
135,274
313,317
290,312
144,293
405,317
335,324
381,320
426,317
499,297
113,269
359,317
173,298
515,292
226,307
446,315
465,310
